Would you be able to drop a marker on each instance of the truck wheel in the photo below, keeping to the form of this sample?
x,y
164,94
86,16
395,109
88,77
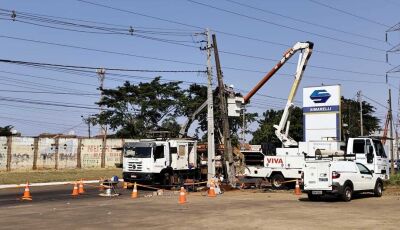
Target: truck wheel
x,y
378,189
277,181
312,197
347,193
166,179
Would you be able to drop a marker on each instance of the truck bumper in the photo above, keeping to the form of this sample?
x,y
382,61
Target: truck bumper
x,y
146,178
336,189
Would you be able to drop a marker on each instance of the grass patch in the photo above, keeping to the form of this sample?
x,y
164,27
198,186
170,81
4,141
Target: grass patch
x,y
59,175
394,180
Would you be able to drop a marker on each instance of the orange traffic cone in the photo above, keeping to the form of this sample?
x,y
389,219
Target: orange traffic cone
x,y
81,190
75,192
27,193
297,190
134,194
182,196
211,191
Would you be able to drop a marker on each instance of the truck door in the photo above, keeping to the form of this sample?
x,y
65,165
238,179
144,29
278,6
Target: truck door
x,y
182,157
365,181
381,163
360,149
160,161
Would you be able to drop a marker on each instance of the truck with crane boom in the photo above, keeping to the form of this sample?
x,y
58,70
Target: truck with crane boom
x,y
286,163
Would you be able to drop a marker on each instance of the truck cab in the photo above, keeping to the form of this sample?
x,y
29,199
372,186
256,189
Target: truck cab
x,y
164,162
370,152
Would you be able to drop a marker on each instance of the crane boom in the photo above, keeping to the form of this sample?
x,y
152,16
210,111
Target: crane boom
x,y
306,51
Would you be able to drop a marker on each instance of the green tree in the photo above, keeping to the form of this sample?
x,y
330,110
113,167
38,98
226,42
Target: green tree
x,y
266,132
133,110
351,117
6,130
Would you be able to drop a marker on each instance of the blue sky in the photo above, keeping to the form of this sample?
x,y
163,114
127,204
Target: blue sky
x,y
349,50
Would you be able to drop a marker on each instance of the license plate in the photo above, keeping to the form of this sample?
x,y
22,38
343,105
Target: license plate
x,y
323,179
133,176
317,192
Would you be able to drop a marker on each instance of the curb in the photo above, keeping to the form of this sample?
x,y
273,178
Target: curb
x,y
48,184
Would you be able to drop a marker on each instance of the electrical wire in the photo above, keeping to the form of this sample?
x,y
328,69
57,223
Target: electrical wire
x,y
220,31
304,21
348,13
287,27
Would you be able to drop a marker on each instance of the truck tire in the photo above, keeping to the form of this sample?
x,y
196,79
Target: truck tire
x,y
347,193
378,190
277,181
312,197
166,180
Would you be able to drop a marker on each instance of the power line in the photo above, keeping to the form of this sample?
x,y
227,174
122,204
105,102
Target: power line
x,y
287,27
304,21
222,32
376,102
47,92
101,51
348,13
96,68
49,103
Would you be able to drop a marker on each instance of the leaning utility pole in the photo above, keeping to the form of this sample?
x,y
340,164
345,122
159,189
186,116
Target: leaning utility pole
x,y
391,133
210,113
228,157
361,113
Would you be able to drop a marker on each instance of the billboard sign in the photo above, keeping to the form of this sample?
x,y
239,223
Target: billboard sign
x,y
321,113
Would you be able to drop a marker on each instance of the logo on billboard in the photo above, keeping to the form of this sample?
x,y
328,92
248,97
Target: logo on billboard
x,y
320,96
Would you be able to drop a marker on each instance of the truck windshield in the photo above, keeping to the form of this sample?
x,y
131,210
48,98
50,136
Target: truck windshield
x,y
380,151
138,152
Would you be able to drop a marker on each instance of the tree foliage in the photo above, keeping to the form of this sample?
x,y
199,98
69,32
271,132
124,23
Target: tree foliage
x,y
266,132
350,116
133,110
6,130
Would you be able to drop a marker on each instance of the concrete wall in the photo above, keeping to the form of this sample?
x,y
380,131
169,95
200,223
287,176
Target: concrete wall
x,y
3,153
67,153
113,156
91,153
28,153
47,153
22,151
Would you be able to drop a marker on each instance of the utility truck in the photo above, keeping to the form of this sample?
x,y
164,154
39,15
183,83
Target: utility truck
x,y
287,163
339,175
160,161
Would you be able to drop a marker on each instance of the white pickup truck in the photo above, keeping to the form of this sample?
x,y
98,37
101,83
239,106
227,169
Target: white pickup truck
x,y
339,177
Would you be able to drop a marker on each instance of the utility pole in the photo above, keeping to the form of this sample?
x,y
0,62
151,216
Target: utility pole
x,y
391,133
244,126
361,113
228,156
397,128
101,72
88,121
210,113
101,75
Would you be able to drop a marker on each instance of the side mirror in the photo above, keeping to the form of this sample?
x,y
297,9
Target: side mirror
x,y
372,171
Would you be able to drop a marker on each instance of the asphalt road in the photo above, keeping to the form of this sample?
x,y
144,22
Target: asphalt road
x,y
54,208
43,194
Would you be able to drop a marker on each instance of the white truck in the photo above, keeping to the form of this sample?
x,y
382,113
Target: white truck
x,y
285,164
165,162
342,177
